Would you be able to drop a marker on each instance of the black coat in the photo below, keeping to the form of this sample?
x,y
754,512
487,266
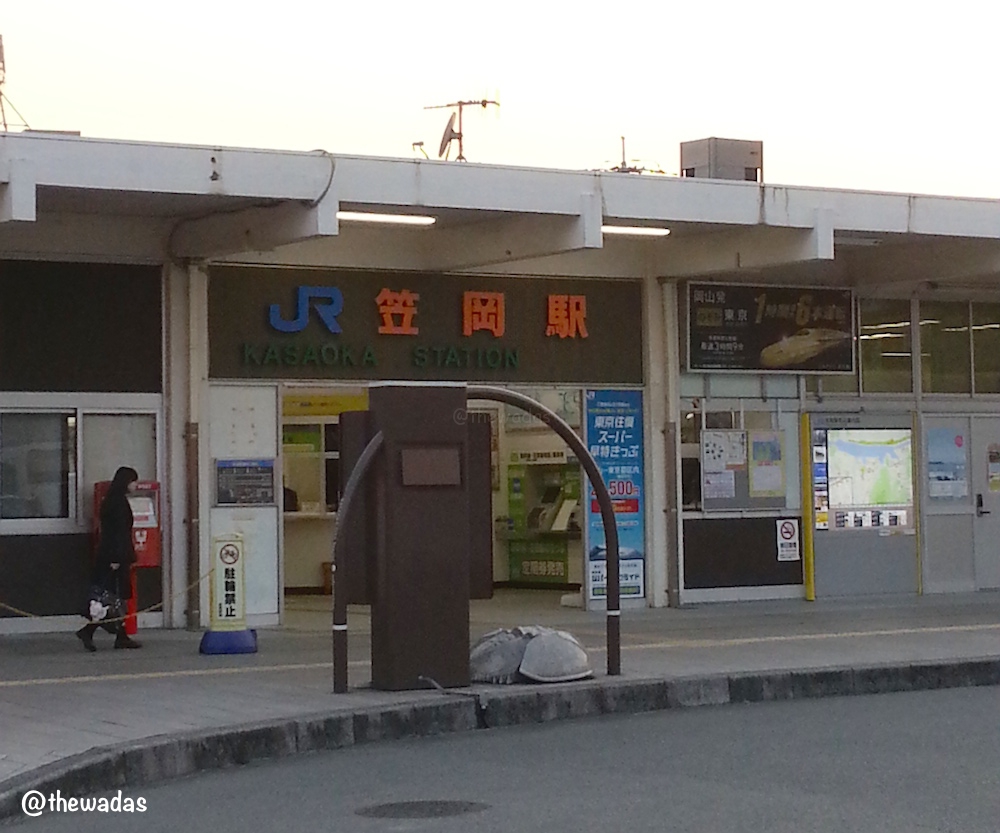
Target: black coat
x,y
115,544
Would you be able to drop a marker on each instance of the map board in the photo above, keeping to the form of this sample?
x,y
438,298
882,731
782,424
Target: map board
x,y
865,478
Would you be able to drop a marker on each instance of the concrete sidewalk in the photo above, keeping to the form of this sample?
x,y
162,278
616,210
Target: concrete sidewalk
x,y
90,722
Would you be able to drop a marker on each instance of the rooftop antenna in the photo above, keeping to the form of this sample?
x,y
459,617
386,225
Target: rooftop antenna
x,y
625,168
3,97
450,133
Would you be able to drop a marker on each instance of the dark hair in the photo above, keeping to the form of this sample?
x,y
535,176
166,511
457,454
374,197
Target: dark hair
x,y
122,478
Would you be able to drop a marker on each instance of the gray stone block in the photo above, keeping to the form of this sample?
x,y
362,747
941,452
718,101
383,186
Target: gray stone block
x,y
95,771
324,732
746,688
883,679
513,709
214,750
157,760
707,691
835,682
372,725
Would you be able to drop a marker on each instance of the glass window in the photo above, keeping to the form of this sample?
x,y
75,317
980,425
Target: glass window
x,y
691,483
690,427
758,421
946,356
112,440
832,383
721,420
37,465
332,483
311,475
986,346
885,346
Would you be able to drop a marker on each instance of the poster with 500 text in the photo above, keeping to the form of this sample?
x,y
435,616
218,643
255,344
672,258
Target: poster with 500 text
x,y
614,438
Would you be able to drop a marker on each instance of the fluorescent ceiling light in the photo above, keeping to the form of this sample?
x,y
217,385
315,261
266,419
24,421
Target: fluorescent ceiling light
x,y
391,219
877,326
636,231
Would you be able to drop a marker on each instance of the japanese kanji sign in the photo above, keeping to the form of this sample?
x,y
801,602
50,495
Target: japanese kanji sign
x,y
397,310
228,589
614,439
770,329
483,311
567,316
347,324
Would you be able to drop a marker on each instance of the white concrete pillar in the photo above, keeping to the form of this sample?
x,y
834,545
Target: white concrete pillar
x,y
176,397
655,450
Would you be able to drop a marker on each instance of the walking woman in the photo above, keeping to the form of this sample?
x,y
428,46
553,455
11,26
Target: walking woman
x,y
115,557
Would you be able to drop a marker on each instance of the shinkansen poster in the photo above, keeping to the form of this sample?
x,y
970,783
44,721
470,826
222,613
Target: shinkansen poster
x,y
770,329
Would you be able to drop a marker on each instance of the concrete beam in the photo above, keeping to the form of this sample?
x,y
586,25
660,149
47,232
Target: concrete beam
x,y
513,239
252,230
17,192
750,248
79,163
86,237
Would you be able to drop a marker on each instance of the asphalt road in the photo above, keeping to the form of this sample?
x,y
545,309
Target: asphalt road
x,y
906,763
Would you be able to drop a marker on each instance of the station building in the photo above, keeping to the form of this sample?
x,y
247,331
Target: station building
x,y
793,393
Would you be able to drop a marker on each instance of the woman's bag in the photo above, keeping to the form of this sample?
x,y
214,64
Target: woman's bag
x,y
103,604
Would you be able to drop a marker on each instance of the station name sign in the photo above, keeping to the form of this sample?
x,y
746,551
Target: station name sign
x,y
770,329
338,324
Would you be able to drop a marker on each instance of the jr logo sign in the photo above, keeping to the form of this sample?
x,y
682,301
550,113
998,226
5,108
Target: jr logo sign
x,y
328,301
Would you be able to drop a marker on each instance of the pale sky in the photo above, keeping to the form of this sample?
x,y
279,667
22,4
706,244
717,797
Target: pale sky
x,y
876,94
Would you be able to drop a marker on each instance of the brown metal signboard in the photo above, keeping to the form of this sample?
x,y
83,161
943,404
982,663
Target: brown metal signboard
x,y
770,329
346,324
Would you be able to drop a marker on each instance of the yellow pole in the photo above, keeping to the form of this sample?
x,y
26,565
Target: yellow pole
x,y
916,452
808,508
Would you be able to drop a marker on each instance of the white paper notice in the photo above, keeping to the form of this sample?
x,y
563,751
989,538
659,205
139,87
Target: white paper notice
x,y
722,450
767,480
719,485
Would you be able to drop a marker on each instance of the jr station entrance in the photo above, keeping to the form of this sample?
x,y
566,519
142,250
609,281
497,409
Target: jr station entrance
x,y
302,347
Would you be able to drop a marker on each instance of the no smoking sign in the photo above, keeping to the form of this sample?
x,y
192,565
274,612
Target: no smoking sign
x,y
788,539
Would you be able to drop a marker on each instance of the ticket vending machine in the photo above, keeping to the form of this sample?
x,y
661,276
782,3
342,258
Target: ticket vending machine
x,y
146,534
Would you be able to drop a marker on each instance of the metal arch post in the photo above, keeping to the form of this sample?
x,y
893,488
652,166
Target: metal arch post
x,y
562,428
339,589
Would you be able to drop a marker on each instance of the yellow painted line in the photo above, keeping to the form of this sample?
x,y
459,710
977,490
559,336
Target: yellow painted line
x,y
154,675
758,640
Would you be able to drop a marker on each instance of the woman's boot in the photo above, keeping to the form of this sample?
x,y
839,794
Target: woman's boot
x,y
123,640
86,636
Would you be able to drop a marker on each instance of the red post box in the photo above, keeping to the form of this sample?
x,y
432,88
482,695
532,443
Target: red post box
x,y
146,533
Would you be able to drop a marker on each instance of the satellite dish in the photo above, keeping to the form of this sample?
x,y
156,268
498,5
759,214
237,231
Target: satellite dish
x,y
448,137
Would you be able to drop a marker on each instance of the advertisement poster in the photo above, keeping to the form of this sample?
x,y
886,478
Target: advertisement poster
x,y
767,464
821,494
946,464
613,434
734,327
993,471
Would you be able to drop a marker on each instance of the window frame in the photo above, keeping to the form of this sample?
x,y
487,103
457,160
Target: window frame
x,y
79,406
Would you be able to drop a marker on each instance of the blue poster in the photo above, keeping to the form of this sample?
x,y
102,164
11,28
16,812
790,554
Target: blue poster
x,y
614,437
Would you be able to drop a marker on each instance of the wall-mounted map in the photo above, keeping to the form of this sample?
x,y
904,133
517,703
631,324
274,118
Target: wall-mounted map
x,y
870,467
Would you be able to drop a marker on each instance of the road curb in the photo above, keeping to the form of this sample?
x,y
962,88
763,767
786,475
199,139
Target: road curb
x,y
160,758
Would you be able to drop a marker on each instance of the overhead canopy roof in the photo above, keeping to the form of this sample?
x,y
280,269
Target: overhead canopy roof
x,y
70,197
